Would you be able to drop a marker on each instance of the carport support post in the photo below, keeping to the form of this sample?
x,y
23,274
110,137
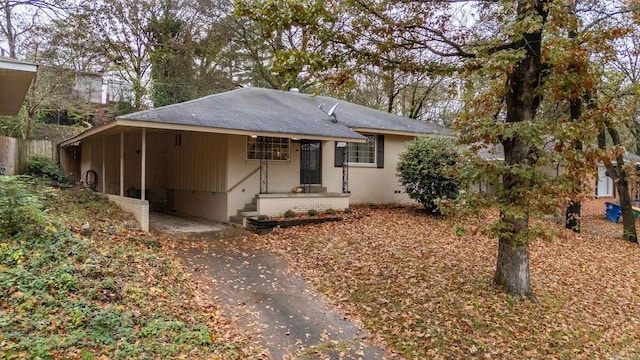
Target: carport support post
x,y
143,171
104,146
264,168
121,162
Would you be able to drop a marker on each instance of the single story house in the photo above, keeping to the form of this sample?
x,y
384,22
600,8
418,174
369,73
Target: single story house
x,y
15,80
247,152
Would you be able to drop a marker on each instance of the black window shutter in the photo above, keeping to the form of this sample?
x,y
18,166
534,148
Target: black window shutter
x,y
380,152
339,153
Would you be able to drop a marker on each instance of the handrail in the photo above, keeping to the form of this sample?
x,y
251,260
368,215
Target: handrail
x,y
243,179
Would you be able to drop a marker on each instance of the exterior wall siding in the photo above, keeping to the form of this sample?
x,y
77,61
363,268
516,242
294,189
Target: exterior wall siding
x,y
369,184
197,161
244,180
207,205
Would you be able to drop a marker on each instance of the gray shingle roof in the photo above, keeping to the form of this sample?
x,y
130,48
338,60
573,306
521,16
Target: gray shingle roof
x,y
275,111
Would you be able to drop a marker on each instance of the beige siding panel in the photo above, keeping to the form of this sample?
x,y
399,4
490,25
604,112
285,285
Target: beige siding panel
x,y
199,163
283,176
370,185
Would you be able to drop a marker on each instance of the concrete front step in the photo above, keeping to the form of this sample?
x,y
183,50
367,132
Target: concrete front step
x,y
251,207
248,213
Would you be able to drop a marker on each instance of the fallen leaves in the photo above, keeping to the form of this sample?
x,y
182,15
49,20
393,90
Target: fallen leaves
x,y
428,293
107,291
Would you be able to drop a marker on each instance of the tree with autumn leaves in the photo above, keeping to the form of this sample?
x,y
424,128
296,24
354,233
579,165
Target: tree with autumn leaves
x,y
533,73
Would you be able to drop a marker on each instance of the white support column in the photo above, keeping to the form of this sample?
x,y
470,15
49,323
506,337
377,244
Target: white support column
x,y
143,171
104,166
121,162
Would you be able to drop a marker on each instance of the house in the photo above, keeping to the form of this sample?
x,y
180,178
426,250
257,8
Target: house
x,y
15,80
604,184
247,152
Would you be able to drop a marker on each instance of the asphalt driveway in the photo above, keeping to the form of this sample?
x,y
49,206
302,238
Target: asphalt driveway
x,y
255,286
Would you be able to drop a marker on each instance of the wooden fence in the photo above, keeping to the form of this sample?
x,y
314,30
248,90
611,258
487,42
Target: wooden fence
x,y
14,153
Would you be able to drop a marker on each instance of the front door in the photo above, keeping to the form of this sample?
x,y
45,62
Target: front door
x,y
310,162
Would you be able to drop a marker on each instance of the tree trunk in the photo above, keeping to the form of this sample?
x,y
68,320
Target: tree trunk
x,y
628,220
11,39
572,220
512,269
522,100
573,216
619,175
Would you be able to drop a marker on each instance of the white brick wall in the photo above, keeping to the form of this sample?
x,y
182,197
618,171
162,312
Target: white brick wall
x,y
139,209
277,204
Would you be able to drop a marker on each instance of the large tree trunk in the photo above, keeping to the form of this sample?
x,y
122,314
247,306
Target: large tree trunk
x,y
573,209
522,100
512,270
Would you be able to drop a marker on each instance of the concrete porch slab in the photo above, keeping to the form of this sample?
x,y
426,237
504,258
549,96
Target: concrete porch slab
x,y
173,224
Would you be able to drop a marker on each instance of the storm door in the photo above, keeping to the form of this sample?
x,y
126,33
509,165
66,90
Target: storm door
x,y
310,162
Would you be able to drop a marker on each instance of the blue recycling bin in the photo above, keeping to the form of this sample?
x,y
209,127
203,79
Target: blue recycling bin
x,y
612,212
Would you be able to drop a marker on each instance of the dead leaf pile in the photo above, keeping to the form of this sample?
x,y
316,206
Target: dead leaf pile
x,y
428,293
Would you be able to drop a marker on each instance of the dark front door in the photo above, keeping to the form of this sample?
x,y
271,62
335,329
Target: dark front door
x,y
310,162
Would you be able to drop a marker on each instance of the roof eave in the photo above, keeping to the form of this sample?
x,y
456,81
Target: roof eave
x,y
205,129
401,133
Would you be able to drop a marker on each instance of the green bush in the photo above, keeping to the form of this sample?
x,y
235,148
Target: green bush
x,y
21,213
289,214
312,212
43,167
425,171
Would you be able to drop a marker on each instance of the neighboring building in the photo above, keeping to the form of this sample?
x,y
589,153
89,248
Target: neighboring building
x,y
248,149
605,186
88,87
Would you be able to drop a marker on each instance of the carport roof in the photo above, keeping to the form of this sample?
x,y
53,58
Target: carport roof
x,y
257,111
15,79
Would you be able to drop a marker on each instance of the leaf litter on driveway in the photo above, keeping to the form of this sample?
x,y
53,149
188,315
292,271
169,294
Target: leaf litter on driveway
x,y
261,294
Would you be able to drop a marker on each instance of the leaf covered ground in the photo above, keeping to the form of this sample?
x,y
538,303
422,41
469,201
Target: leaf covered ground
x,y
78,281
428,293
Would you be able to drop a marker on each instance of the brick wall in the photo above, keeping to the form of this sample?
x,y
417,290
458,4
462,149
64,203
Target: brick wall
x,y
277,204
139,209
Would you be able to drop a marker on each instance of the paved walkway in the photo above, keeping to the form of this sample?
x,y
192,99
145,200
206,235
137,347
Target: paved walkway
x,y
292,320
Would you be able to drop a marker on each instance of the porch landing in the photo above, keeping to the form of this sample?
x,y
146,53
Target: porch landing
x,y
276,204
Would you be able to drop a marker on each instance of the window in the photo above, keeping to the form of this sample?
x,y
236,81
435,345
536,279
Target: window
x,y
276,148
605,183
362,153
368,153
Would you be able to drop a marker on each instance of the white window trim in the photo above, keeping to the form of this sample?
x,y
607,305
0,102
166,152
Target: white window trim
x,y
373,164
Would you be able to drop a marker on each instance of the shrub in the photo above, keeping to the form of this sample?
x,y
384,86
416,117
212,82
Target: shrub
x,y
425,171
330,211
43,167
20,212
289,214
312,212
